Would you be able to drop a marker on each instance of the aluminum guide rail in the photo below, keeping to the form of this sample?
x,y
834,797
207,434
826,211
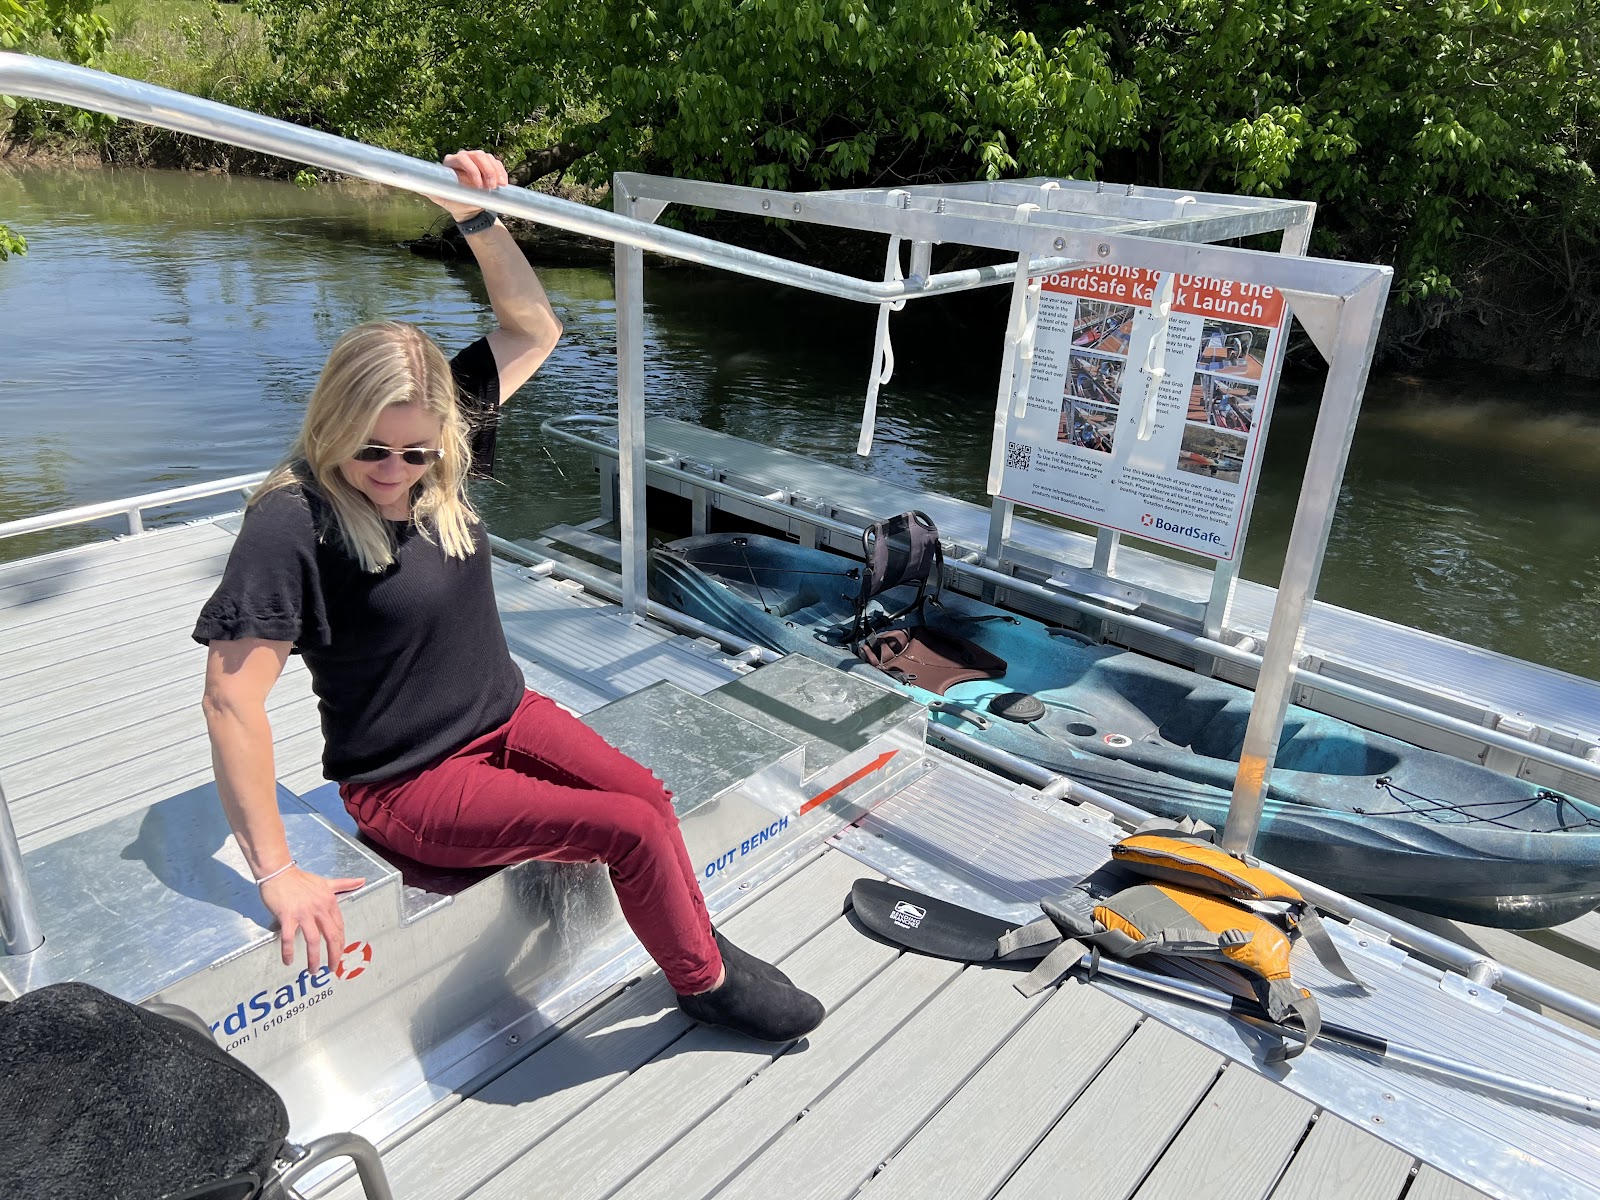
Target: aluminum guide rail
x,y
566,427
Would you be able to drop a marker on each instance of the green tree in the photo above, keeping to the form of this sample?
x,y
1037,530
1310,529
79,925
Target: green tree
x,y
1420,128
70,29
766,92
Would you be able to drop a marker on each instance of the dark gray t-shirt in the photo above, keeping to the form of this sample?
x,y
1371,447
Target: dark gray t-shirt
x,y
408,664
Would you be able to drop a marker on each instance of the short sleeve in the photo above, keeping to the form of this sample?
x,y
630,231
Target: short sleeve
x,y
272,586
478,393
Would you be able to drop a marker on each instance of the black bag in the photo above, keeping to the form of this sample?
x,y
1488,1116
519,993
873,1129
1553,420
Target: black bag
x,y
100,1098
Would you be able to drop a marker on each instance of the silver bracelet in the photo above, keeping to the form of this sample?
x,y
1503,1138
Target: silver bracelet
x,y
477,223
270,877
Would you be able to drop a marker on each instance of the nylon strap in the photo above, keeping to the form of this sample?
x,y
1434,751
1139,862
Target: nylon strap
x,y
1316,935
1040,937
1055,965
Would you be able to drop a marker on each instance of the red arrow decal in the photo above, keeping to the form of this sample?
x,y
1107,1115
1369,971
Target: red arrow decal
x,y
876,764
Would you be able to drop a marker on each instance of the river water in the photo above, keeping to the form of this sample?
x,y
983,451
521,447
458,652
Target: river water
x,y
166,327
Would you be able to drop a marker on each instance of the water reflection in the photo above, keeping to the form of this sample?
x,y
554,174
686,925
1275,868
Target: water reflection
x,y
167,326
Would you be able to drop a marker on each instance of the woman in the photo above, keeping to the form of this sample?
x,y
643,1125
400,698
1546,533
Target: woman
x,y
362,553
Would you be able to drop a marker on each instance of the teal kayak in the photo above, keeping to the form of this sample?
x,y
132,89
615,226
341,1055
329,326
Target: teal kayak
x,y
1361,812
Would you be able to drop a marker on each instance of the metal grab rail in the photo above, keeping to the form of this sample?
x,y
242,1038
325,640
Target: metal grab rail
x,y
132,508
20,931
46,79
563,427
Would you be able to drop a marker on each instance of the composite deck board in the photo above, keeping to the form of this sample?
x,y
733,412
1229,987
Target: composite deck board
x,y
1144,1095
148,652
597,1151
171,607
171,734
836,1146
297,757
102,697
1236,1144
724,1140
125,558
108,789
981,1136
1433,1184
97,648
1339,1161
23,623
504,1120
172,691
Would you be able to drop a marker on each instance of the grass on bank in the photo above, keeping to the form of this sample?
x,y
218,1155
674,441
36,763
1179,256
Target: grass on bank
x,y
212,50
197,46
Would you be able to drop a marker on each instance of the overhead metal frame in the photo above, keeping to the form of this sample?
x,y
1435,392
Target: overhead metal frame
x,y
1339,303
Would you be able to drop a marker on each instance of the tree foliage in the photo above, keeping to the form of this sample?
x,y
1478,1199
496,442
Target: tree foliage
x,y
1420,128
1431,134
71,29
767,92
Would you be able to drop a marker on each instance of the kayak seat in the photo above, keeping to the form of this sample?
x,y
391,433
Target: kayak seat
x,y
904,551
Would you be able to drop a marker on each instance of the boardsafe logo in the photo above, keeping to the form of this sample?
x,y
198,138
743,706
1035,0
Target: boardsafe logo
x,y
271,1007
1193,532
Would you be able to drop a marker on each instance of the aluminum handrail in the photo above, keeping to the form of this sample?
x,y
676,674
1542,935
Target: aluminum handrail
x,y
132,508
46,79
561,426
1475,965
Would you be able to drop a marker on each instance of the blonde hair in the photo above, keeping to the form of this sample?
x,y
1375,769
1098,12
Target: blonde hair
x,y
370,368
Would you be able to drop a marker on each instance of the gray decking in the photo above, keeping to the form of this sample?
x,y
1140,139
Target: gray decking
x,y
927,1079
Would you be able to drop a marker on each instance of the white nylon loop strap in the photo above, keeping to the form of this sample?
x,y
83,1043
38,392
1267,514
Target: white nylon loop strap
x,y
1155,359
882,352
1016,322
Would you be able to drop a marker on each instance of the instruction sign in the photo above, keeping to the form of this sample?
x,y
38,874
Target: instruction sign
x,y
1142,410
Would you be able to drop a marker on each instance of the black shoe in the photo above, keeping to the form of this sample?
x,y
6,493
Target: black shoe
x,y
754,1005
749,962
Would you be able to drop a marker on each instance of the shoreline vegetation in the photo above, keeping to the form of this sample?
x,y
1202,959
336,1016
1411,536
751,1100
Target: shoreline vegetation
x,y
1453,140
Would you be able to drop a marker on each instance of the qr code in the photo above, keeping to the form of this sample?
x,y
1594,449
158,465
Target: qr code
x,y
1019,455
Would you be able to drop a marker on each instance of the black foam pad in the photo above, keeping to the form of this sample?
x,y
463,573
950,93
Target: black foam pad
x,y
927,924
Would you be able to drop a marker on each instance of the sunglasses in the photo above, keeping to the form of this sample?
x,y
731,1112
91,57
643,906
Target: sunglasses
x,y
414,456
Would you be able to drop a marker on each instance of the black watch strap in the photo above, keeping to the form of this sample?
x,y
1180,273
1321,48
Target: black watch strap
x,y
477,223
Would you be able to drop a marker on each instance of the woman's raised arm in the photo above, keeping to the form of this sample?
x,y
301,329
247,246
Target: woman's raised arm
x,y
528,326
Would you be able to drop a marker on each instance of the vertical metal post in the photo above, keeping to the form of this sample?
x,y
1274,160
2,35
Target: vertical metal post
x,y
1225,575
630,413
20,931
1106,544
1359,317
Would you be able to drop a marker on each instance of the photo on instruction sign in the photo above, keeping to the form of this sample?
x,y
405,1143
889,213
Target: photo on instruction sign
x,y
1090,402
1223,402
1213,453
1233,349
1103,326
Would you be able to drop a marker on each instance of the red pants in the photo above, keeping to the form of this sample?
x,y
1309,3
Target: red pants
x,y
546,786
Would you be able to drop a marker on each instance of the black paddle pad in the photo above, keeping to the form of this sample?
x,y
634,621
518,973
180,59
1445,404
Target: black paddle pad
x,y
927,924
